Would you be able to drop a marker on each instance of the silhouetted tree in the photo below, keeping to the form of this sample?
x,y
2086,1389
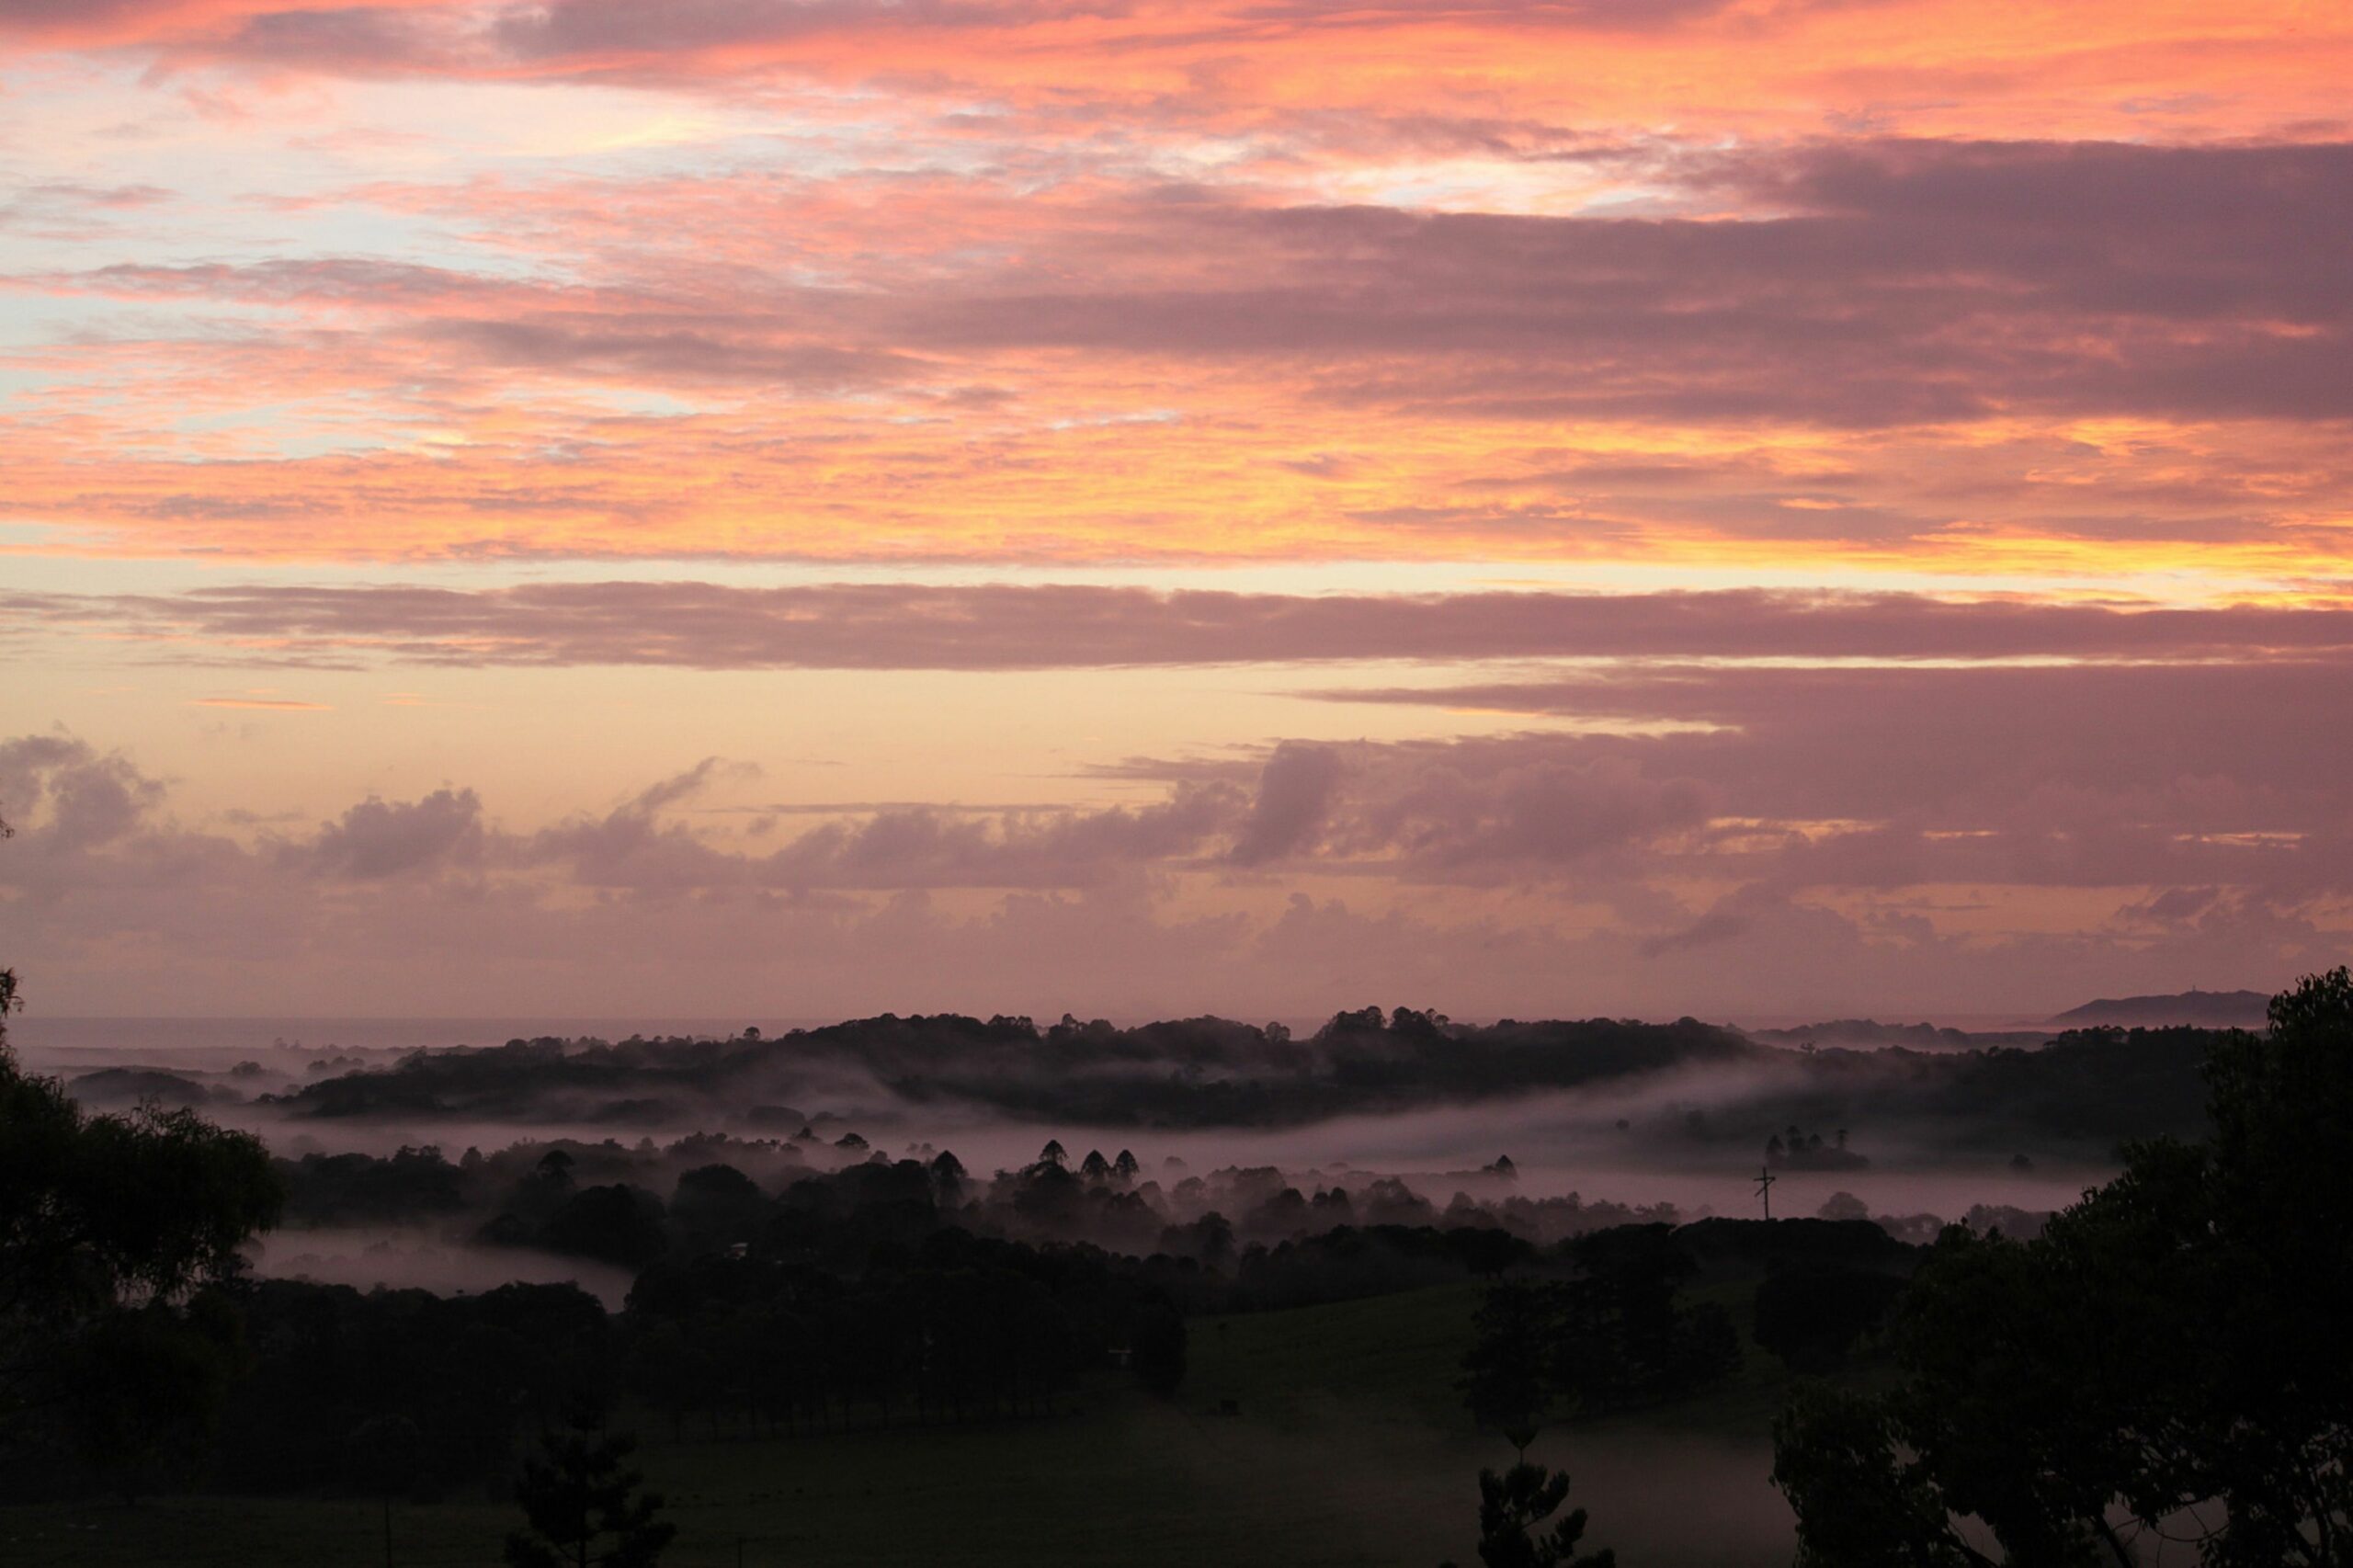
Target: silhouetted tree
x,y
1503,1373
1623,1337
387,1454
1157,1355
1514,1504
582,1507
2175,1340
138,1390
1486,1251
9,1001
1811,1317
619,1224
116,1233
1053,1153
717,1204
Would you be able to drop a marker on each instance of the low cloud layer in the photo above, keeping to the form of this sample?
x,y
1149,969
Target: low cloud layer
x,y
703,625
1780,864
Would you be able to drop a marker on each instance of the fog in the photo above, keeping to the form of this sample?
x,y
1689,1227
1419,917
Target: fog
x,y
404,1258
1403,1492
1673,1115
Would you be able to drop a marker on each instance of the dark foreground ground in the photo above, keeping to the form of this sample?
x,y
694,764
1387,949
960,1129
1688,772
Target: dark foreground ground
x,y
1350,1448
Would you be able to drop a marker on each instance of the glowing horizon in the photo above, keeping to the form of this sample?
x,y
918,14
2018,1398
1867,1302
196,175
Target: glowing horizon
x,y
820,505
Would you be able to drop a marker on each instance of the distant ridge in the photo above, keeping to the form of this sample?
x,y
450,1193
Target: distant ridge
x,y
1871,1032
2209,1009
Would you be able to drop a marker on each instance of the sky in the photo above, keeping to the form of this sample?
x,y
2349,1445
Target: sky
x,y
1751,509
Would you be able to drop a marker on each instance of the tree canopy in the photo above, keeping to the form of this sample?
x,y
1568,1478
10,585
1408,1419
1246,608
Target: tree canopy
x,y
2169,1357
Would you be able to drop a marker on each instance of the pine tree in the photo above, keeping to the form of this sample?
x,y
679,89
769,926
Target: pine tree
x,y
584,1509
1511,1506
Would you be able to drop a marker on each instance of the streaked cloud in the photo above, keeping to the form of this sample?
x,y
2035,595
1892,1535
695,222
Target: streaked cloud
x,y
1880,467
705,625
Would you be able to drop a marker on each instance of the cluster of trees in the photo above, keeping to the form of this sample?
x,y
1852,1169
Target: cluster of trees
x,y
312,1378
962,1328
118,1264
2168,1358
629,1204
1801,1151
465,1374
1613,1333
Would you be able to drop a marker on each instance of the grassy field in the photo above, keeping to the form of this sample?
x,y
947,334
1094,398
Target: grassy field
x,y
1348,1449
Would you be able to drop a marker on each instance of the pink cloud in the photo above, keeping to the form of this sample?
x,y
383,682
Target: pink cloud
x,y
706,625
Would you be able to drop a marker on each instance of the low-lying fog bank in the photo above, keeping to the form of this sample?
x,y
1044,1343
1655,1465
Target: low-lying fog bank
x,y
1545,1130
407,1257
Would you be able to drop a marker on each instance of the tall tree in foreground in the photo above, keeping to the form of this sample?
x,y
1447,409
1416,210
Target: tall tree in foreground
x,y
387,1453
2170,1356
1512,1505
117,1233
1503,1373
583,1508
8,1003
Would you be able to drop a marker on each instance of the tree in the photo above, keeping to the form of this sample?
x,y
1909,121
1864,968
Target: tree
x,y
1504,1377
387,1454
1158,1352
1623,1337
1053,1153
138,1390
112,1229
582,1507
1812,1316
9,1002
2168,1356
114,1233
1614,1336
717,1204
618,1223
1514,1504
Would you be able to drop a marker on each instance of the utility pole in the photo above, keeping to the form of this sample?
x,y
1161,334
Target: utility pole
x,y
1764,1179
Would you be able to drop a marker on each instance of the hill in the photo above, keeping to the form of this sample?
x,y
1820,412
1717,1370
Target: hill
x,y
2202,1009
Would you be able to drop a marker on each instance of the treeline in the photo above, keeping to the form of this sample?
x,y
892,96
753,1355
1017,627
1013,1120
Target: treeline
x,y
1604,1322
1196,1073
468,1373
2086,1090
963,1329
632,1205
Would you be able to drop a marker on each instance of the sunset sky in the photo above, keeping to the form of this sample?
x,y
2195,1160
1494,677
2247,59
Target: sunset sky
x,y
1756,509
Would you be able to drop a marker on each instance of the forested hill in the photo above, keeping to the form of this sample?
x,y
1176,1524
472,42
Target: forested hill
x,y
1203,1071
2092,1086
2196,1009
